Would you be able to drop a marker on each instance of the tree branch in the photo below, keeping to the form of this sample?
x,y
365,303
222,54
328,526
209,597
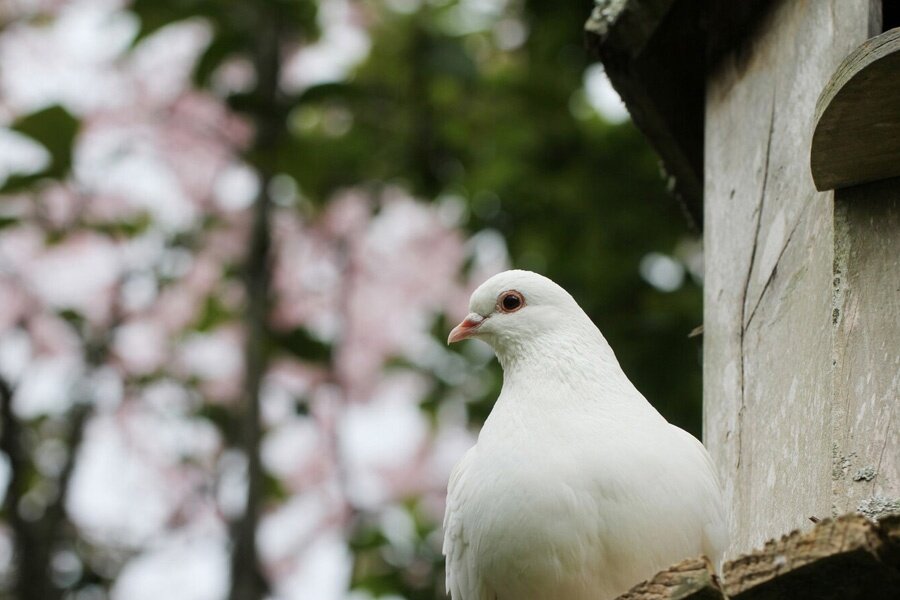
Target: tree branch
x,y
247,579
30,551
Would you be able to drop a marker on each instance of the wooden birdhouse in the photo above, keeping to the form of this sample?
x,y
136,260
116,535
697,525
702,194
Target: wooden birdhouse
x,y
778,123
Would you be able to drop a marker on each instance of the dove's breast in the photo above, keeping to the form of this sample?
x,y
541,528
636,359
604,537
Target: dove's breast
x,y
534,537
549,519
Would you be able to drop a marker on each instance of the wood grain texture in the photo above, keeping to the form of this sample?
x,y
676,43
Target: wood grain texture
x,y
848,558
768,290
866,337
691,579
857,133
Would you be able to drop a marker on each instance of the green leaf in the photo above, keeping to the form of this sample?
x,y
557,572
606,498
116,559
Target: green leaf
x,y
302,345
296,17
55,129
274,489
126,229
222,418
337,90
156,14
214,314
246,19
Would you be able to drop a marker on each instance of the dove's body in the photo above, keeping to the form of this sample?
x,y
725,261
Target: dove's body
x,y
577,488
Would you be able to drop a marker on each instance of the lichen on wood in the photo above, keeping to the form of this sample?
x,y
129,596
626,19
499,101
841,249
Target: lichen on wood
x,y
879,507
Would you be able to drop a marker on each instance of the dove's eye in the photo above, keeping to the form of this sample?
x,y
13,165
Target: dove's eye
x,y
510,301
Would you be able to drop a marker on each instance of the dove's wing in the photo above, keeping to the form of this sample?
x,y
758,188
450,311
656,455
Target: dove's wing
x,y
657,502
709,499
463,581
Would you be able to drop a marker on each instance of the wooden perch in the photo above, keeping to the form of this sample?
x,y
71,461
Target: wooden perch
x,y
847,558
691,579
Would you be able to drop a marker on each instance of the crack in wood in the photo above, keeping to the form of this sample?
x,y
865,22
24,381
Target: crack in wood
x,y
887,430
743,328
771,277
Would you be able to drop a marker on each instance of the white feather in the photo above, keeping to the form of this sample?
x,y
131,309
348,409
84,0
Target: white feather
x,y
577,487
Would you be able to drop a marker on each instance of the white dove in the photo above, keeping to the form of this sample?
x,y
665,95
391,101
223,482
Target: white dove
x,y
577,488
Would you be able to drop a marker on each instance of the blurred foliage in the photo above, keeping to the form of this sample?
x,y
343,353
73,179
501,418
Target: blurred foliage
x,y
54,128
578,199
236,23
503,127
509,132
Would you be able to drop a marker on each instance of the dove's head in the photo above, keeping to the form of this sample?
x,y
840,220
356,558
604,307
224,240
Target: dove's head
x,y
519,309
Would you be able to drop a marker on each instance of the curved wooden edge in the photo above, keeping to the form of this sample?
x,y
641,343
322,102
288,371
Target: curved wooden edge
x,y
857,132
867,53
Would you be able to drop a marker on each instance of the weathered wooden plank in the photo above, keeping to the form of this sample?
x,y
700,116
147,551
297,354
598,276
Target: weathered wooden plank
x,y
866,337
857,134
848,558
656,53
768,249
691,579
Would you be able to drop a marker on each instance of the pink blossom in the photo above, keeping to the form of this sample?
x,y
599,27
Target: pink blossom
x,y
160,66
181,302
215,358
78,273
144,240
53,336
61,205
14,303
374,460
137,456
141,346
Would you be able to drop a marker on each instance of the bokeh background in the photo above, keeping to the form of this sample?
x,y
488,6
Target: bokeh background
x,y
233,238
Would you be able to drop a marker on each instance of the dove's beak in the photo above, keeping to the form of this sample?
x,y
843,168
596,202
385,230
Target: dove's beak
x,y
466,329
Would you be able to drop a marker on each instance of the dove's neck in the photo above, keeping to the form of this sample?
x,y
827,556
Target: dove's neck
x,y
575,362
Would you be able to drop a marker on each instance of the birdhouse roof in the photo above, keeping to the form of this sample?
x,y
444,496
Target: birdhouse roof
x,y
657,54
